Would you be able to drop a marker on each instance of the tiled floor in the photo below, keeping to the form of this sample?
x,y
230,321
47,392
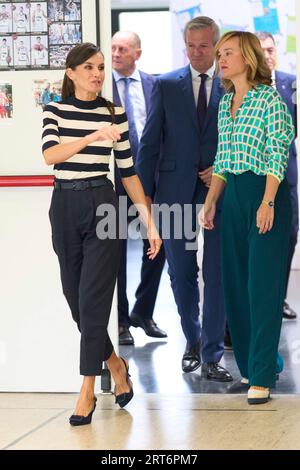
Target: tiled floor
x,y
170,410
151,421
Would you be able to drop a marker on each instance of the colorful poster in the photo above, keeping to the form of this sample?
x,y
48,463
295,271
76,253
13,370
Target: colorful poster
x,y
274,16
45,91
265,15
226,27
38,35
6,101
185,11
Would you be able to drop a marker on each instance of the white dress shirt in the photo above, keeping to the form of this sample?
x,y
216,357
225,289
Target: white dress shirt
x,y
137,97
196,82
273,79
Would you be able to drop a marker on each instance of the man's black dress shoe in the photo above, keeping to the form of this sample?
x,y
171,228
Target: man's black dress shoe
x,y
77,420
288,312
191,359
149,326
125,337
213,371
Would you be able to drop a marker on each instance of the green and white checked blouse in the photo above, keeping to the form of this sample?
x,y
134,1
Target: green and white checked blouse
x,y
258,139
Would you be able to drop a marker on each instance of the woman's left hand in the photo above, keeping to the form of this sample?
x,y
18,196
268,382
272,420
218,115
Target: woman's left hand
x,y
264,218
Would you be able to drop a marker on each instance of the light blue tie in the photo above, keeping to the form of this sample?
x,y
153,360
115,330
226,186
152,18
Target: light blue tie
x,y
133,135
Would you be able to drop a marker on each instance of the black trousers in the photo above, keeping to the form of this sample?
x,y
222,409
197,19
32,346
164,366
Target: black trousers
x,y
88,267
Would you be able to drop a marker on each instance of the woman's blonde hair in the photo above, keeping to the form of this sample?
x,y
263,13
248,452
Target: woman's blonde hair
x,y
258,70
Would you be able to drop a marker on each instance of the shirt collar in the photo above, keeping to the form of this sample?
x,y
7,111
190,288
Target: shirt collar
x,y
253,92
135,75
210,72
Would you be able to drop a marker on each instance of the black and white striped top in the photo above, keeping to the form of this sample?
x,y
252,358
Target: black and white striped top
x,y
74,119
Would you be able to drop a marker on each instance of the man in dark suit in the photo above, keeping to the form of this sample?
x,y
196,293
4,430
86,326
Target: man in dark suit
x,y
132,90
181,129
285,83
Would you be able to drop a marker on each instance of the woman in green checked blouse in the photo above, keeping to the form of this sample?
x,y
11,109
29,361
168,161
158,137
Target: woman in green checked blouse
x,y
255,132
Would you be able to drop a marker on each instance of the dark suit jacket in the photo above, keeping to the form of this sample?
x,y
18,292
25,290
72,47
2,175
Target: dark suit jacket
x,y
286,86
172,135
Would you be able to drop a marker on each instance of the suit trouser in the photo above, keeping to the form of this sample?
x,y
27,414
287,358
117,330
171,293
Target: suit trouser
x,y
146,292
151,271
254,273
183,272
88,268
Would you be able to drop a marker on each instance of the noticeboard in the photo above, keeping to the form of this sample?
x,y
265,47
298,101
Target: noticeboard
x,y
32,76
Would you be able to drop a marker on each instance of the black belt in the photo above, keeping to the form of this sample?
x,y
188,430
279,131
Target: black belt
x,y
81,185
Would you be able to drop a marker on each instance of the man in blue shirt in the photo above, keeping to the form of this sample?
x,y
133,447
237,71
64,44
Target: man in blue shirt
x,y
132,90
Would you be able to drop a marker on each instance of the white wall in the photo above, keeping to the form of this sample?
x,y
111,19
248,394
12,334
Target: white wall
x,y
38,342
143,23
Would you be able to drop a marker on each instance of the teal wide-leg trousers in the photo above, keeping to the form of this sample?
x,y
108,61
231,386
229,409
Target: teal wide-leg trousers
x,y
254,273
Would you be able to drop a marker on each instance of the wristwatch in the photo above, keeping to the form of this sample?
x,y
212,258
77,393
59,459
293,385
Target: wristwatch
x,y
269,203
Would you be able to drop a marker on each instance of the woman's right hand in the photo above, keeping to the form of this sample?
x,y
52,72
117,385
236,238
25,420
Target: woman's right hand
x,y
110,132
154,240
206,215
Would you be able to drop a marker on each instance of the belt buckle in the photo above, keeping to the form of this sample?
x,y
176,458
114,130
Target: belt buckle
x,y
79,185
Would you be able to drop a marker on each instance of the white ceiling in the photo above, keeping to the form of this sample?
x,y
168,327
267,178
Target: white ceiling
x,y
126,4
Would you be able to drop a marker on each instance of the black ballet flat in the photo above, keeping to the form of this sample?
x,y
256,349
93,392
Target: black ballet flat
x,y
77,420
124,398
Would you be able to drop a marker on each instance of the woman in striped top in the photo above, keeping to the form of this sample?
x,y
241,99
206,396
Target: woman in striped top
x,y
255,132
79,134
